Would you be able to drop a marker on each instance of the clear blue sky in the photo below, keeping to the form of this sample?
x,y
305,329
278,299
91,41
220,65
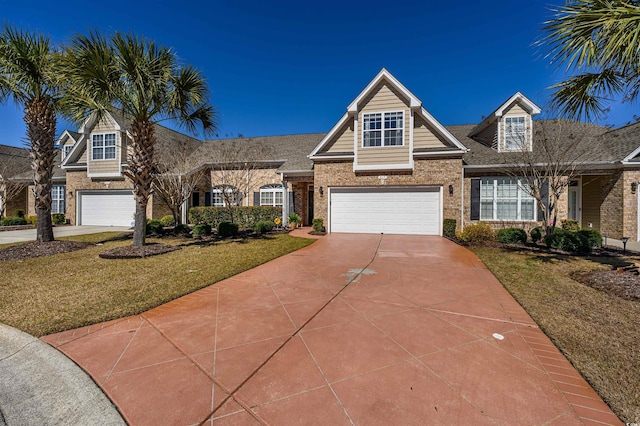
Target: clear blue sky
x,y
283,67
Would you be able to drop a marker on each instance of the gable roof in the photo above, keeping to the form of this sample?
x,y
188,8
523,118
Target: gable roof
x,y
414,103
518,97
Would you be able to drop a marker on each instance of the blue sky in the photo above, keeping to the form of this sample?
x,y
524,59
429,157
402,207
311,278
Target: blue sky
x,y
283,67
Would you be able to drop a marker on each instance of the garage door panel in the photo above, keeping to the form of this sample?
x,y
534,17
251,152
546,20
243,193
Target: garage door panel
x,y
106,208
388,210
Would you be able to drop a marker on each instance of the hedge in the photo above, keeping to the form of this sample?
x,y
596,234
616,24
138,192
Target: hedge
x,y
244,217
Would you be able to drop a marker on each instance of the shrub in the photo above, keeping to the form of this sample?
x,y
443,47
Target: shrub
x,y
13,221
512,236
449,228
19,213
227,229
181,229
594,238
565,240
168,220
477,233
32,220
536,234
318,224
245,217
154,226
58,218
570,225
263,227
202,229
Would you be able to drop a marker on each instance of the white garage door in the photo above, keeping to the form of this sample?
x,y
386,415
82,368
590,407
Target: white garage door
x,y
393,210
106,208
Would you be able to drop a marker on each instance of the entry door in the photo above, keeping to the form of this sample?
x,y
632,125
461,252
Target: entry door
x,y
310,206
575,203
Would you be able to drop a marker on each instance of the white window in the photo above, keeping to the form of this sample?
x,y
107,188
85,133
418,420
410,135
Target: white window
x,y
272,195
383,129
506,199
104,147
66,150
57,199
231,196
514,133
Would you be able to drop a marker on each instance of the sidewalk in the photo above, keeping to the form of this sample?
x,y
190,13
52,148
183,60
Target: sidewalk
x,y
25,235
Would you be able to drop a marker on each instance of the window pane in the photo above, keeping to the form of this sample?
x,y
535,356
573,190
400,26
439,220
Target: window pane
x,y
279,197
486,210
507,210
393,137
266,198
393,120
373,138
372,121
526,209
98,147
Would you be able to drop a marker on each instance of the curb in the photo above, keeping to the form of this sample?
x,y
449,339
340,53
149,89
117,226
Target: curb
x,y
39,385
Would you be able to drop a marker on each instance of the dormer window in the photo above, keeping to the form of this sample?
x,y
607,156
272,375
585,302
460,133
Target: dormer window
x,y
66,150
104,147
383,129
515,136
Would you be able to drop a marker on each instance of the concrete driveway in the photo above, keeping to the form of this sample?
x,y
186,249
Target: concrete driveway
x,y
24,235
354,329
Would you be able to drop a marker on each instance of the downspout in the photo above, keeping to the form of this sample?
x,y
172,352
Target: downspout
x,y
285,201
246,192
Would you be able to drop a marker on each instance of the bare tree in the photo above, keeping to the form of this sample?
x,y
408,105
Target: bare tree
x,y
240,161
558,152
175,179
9,187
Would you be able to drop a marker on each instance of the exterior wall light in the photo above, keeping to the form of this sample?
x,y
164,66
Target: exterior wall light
x,y
634,186
321,190
450,189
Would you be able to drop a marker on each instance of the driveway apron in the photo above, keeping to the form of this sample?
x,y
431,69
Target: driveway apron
x,y
354,329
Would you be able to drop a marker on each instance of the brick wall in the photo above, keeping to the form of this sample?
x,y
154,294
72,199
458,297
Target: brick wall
x,y
78,181
442,172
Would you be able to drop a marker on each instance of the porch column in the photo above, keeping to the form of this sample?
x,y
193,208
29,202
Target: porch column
x,y
285,201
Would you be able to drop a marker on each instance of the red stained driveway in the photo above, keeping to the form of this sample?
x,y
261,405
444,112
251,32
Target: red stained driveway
x,y
354,329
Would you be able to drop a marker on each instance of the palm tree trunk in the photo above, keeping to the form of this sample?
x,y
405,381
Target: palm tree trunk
x,y
140,171
41,130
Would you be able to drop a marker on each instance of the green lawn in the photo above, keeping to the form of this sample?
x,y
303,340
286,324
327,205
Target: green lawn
x,y
597,332
50,294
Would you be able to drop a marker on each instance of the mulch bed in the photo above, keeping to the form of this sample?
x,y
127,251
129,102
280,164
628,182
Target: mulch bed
x,y
35,249
622,284
130,252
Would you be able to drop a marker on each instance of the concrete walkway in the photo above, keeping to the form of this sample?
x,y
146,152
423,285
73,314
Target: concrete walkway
x,y
24,235
354,329
40,386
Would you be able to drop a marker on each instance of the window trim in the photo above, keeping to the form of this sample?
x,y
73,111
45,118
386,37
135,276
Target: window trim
x,y
522,195
55,200
217,190
518,147
273,189
382,129
103,146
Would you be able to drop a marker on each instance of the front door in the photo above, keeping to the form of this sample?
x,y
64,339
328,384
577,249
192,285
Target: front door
x,y
574,211
310,206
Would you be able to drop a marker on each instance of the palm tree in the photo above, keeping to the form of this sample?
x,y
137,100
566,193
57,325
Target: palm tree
x,y
145,82
598,40
27,74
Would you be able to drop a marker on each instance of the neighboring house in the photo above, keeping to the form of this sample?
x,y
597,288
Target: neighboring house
x,y
13,162
386,166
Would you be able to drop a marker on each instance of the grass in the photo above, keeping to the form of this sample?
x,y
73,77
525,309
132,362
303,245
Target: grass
x,y
49,294
597,332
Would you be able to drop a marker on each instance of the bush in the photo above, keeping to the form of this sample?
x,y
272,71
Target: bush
x,y
19,213
477,233
227,229
536,234
318,224
570,225
13,221
168,220
594,239
202,229
181,229
565,240
245,217
449,228
32,220
154,226
263,227
58,218
512,236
